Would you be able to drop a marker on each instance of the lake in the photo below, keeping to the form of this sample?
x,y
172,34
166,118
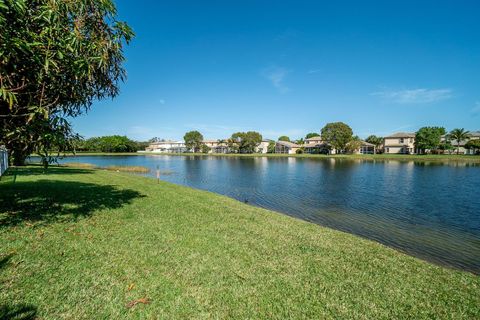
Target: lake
x,y
430,210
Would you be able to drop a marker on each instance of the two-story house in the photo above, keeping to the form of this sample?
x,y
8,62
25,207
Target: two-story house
x,y
400,142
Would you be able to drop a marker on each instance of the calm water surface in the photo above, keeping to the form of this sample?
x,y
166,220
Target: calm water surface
x,y
430,210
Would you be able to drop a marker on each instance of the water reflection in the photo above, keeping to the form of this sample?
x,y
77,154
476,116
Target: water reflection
x,y
429,209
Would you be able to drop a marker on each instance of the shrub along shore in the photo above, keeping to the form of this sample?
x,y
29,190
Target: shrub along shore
x,y
85,243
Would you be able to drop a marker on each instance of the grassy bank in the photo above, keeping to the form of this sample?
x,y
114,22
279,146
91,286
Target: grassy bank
x,y
401,157
78,243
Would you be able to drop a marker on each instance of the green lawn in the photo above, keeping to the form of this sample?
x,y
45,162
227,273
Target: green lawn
x,y
87,244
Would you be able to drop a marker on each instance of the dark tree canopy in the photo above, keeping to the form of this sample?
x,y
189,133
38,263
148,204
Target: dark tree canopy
x,y
311,135
245,142
56,58
338,134
114,143
428,138
193,140
284,138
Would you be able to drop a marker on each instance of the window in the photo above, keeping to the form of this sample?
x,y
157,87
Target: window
x,y
402,140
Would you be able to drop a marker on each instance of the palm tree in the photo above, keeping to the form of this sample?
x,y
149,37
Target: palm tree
x,y
459,135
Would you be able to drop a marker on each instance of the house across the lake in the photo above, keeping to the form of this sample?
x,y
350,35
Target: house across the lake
x,y
167,146
366,148
286,147
475,135
263,146
400,143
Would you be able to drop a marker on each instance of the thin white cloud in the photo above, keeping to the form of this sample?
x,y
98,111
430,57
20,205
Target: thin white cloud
x,y
313,71
277,76
476,109
412,96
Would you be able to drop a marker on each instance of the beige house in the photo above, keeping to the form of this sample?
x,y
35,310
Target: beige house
x,y
286,147
318,145
314,140
366,148
400,143
211,143
263,146
217,146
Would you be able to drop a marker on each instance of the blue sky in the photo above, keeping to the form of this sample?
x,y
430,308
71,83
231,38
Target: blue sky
x,y
289,67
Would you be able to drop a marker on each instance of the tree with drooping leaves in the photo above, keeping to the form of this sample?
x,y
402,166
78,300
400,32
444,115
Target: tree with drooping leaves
x,y
271,147
337,134
353,145
373,139
193,140
56,58
204,148
459,135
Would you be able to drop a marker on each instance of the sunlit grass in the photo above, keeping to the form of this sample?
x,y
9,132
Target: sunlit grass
x,y
78,165
134,169
137,169
77,243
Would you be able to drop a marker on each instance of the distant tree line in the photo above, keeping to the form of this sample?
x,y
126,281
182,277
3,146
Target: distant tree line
x,y
115,143
337,135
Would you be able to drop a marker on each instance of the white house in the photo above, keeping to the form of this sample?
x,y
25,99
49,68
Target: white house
x,y
263,146
167,146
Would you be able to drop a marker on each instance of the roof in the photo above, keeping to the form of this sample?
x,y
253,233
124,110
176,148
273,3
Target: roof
x,y
314,138
165,142
288,144
475,134
401,135
315,145
368,144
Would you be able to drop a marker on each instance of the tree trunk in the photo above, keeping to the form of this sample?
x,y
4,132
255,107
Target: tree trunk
x,y
18,157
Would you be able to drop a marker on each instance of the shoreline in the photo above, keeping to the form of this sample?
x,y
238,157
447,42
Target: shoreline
x,y
370,157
